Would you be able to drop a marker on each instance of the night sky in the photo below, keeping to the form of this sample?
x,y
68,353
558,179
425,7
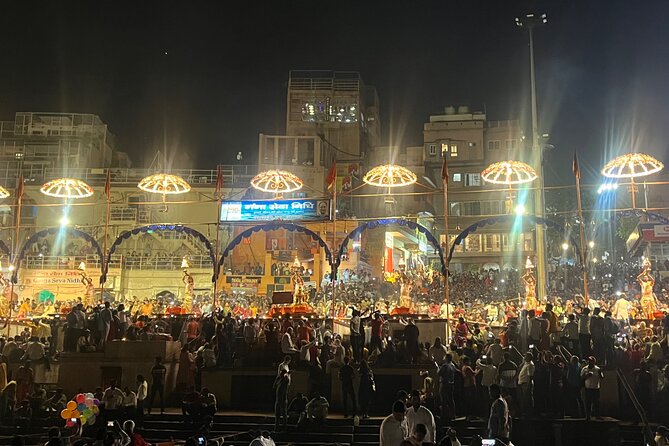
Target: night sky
x,y
207,77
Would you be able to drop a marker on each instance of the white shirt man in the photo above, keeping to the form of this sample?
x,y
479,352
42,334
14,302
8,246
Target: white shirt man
x,y
287,346
142,389
496,352
438,353
489,371
417,414
526,372
593,376
621,309
394,427
129,399
35,350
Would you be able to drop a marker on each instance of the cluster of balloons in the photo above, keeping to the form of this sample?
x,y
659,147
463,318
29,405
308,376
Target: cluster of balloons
x,y
84,408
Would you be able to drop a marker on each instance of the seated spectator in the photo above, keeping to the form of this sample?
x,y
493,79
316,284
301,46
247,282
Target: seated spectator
x,y
208,402
84,344
297,409
317,408
191,404
418,435
38,400
135,438
57,402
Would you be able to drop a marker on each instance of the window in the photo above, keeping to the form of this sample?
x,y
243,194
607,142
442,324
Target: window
x,y
493,145
472,179
444,148
457,177
458,248
454,150
473,243
507,243
528,241
432,149
492,242
455,209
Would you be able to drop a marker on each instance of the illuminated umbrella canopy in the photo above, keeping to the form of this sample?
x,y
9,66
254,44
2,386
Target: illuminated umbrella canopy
x,y
632,165
390,175
67,188
509,172
4,193
276,182
165,184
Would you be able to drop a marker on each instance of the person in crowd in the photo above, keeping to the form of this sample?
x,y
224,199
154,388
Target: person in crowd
x,y
142,393
129,403
317,408
366,388
297,409
346,377
508,377
191,404
584,336
418,436
281,385
438,351
158,373
526,385
112,401
104,324
446,375
592,376
498,422
468,387
208,402
394,427
135,438
418,414
25,379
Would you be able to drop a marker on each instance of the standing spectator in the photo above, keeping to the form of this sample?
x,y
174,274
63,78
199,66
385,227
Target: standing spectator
x,y
158,372
142,392
281,384
375,342
598,334
584,331
438,351
526,385
129,403
574,384
411,336
468,387
394,427
498,422
346,376
417,414
496,352
104,324
508,371
570,335
25,378
354,331
642,386
593,377
446,375
366,388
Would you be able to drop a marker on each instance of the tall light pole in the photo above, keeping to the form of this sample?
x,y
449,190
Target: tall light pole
x,y
530,21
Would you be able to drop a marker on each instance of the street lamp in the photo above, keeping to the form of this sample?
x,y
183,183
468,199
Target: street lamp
x,y
565,246
277,182
530,21
509,173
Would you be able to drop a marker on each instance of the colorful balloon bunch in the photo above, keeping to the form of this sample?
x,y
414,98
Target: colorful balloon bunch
x,y
84,408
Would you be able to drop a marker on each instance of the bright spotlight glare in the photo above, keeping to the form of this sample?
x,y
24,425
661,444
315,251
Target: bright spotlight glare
x,y
607,187
64,221
565,246
520,209
591,244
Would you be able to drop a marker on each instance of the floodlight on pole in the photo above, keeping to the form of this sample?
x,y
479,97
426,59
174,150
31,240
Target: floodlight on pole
x,y
632,165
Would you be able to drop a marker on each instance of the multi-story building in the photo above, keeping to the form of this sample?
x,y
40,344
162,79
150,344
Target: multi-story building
x,y
471,142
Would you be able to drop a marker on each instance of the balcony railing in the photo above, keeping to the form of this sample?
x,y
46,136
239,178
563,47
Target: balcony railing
x,y
136,262
233,175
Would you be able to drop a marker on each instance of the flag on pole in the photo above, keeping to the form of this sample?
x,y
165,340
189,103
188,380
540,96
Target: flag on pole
x,y
444,170
575,168
331,179
219,181
108,184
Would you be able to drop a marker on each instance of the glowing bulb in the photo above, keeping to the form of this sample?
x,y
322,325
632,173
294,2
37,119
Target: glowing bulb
x,y
64,221
591,244
565,246
520,209
11,268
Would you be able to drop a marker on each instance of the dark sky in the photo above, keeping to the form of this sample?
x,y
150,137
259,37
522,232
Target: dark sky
x,y
603,68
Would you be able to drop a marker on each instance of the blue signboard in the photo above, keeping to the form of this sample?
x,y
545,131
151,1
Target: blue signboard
x,y
269,210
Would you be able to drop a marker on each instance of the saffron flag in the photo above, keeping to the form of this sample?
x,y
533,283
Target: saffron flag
x,y
444,170
108,184
331,179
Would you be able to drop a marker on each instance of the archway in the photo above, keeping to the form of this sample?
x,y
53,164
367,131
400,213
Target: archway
x,y
508,219
144,229
387,222
53,231
273,227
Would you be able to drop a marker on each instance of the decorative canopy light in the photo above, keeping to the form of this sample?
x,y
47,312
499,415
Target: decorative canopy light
x,y
390,175
4,193
67,188
509,172
632,165
276,182
165,184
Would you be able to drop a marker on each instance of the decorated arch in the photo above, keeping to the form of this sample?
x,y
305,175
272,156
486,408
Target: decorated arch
x,y
550,224
389,222
50,232
273,227
159,228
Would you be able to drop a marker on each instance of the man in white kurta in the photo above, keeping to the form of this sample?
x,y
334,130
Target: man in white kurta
x,y
418,414
394,427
